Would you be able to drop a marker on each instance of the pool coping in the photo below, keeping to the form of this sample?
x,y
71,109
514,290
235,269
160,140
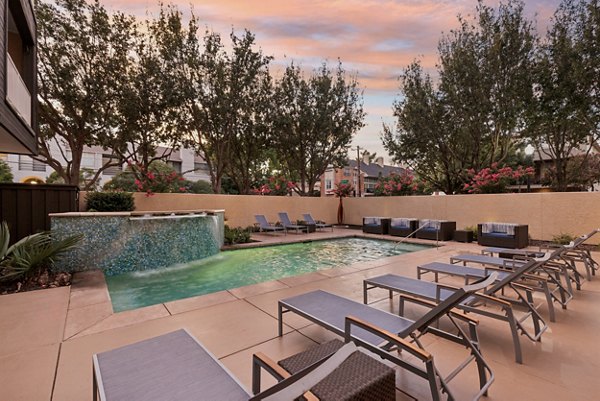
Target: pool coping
x,y
90,308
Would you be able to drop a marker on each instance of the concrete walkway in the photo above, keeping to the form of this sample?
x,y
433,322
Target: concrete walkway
x,y
48,337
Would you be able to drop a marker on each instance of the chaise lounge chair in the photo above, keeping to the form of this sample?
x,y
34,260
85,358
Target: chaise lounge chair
x,y
309,219
265,226
175,366
416,290
288,225
382,332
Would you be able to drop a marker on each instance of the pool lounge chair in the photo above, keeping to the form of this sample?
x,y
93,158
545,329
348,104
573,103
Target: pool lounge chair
x,y
384,333
418,290
176,366
519,280
288,225
265,226
309,219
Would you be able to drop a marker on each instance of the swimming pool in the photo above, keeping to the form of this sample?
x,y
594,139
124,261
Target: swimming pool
x,y
237,268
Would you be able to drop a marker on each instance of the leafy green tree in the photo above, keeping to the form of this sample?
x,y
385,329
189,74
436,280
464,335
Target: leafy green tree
x,y
5,172
562,114
83,58
472,118
85,176
314,122
199,187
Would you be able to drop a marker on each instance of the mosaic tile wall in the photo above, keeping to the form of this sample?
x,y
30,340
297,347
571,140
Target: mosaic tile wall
x,y
118,244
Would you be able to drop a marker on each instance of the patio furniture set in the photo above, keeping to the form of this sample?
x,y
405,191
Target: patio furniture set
x,y
505,235
177,366
284,225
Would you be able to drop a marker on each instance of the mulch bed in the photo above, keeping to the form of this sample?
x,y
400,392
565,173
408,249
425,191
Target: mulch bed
x,y
46,279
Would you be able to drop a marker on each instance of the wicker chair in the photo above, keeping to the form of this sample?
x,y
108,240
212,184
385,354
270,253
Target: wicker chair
x,y
500,239
438,230
376,225
401,227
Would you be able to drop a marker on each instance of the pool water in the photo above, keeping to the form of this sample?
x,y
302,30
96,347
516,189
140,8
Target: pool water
x,y
237,268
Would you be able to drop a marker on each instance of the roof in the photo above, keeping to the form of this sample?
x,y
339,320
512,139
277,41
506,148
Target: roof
x,y
375,170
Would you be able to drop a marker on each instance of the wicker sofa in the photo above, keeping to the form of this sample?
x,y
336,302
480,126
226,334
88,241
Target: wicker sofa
x,y
376,225
442,230
503,235
403,227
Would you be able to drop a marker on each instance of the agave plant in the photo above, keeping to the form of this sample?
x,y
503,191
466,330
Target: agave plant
x,y
28,255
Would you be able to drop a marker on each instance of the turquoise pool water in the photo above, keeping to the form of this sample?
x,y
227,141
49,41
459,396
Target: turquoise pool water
x,y
232,269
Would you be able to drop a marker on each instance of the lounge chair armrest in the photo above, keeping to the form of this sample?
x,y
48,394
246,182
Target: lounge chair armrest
x,y
387,336
453,312
260,360
490,298
523,287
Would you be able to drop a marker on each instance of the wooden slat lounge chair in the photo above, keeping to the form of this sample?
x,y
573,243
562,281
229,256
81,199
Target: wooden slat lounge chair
x,y
265,226
309,219
175,366
382,332
288,225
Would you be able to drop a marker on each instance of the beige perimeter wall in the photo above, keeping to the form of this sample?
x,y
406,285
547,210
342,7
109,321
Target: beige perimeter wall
x,y
547,214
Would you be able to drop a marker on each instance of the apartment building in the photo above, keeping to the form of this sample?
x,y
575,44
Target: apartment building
x,y
363,182
18,86
28,170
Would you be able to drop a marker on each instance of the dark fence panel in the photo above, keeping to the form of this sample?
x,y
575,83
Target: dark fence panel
x,y
25,207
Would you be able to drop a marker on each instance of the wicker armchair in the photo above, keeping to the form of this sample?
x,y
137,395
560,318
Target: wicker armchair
x,y
403,227
445,232
500,239
376,225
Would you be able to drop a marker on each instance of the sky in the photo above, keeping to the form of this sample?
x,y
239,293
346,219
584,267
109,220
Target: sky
x,y
374,39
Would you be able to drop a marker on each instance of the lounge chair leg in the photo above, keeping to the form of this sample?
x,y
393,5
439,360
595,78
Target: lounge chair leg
x,y
515,334
280,319
94,385
365,296
551,312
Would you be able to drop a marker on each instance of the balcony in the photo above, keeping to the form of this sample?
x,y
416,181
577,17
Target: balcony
x,y
17,94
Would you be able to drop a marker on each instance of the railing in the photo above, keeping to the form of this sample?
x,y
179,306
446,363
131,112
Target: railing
x,y
17,93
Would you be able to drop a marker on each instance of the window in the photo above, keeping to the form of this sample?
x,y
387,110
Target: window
x,y
176,166
328,184
200,167
346,172
26,163
88,160
111,170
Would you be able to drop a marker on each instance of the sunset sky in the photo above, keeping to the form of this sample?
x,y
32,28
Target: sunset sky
x,y
375,39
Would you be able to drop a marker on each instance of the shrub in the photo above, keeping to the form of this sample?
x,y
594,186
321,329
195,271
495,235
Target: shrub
x,y
29,255
110,201
473,229
563,238
199,187
5,172
397,185
276,185
122,181
494,179
237,235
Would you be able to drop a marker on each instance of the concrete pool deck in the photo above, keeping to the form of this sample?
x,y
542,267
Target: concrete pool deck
x,y
48,336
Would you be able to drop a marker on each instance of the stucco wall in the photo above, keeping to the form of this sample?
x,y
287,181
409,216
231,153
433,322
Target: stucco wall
x,y
547,214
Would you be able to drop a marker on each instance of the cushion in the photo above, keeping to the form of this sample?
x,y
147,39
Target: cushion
x,y
503,228
372,221
430,224
400,222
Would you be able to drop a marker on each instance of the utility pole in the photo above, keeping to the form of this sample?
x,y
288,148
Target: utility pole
x,y
358,164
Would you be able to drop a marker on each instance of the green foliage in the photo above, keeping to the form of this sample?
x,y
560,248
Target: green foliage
x,y
495,179
470,119
86,181
110,201
122,181
27,256
237,235
582,172
563,238
5,172
159,178
199,187
473,229
83,58
315,119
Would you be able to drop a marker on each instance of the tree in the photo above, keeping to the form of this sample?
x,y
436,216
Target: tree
x,y
583,172
85,176
315,120
562,115
83,58
473,117
5,172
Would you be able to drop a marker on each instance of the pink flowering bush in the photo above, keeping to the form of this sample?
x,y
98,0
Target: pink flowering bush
x,y
398,185
343,190
276,185
157,178
494,179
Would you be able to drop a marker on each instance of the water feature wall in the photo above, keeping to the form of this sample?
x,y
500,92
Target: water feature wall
x,y
123,242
